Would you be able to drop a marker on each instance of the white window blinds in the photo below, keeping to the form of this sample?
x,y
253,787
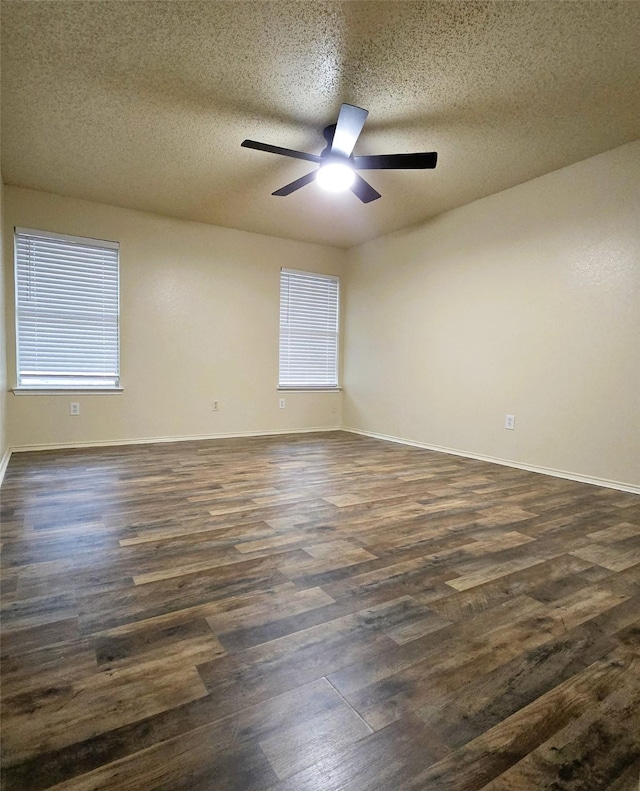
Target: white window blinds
x,y
66,311
309,311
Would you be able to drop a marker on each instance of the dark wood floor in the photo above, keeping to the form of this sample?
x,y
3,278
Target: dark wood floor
x,y
315,612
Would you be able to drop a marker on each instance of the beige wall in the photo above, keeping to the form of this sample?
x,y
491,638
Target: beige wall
x,y
199,322
525,302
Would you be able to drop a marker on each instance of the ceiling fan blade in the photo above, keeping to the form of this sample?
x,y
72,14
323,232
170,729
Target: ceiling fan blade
x,y
348,127
363,190
295,185
286,152
396,161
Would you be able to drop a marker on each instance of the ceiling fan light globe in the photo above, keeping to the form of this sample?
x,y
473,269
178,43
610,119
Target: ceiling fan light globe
x,y
335,177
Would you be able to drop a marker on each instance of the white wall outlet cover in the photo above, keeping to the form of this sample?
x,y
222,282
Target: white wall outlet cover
x,y
510,422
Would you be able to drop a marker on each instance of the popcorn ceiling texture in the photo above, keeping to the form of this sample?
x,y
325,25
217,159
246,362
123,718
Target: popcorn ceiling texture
x,y
144,104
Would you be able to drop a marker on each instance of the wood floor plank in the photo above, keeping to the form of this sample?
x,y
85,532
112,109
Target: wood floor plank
x,y
38,611
493,572
500,692
471,601
627,781
385,760
18,641
106,609
200,759
586,752
50,717
611,557
317,611
501,747
283,604
616,533
299,747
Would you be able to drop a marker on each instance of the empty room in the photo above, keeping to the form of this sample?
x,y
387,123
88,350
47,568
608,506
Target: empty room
x,y
320,395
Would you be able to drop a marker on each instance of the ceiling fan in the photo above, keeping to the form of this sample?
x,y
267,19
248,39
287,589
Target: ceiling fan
x,y
337,166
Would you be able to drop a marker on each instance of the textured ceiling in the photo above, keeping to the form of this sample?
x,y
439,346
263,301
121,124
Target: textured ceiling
x,y
145,104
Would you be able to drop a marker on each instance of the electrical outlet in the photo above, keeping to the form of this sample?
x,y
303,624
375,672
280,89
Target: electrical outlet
x,y
74,408
282,403
216,406
510,422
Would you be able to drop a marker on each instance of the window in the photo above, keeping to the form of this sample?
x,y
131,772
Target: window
x,y
309,310
66,312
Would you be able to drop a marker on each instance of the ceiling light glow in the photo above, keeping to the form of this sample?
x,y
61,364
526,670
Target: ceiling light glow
x,y
335,177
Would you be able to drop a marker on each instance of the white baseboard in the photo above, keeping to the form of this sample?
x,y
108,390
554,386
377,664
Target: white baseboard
x,y
154,440
4,463
624,487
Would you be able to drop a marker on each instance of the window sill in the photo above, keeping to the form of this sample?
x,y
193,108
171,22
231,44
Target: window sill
x,y
309,389
66,391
